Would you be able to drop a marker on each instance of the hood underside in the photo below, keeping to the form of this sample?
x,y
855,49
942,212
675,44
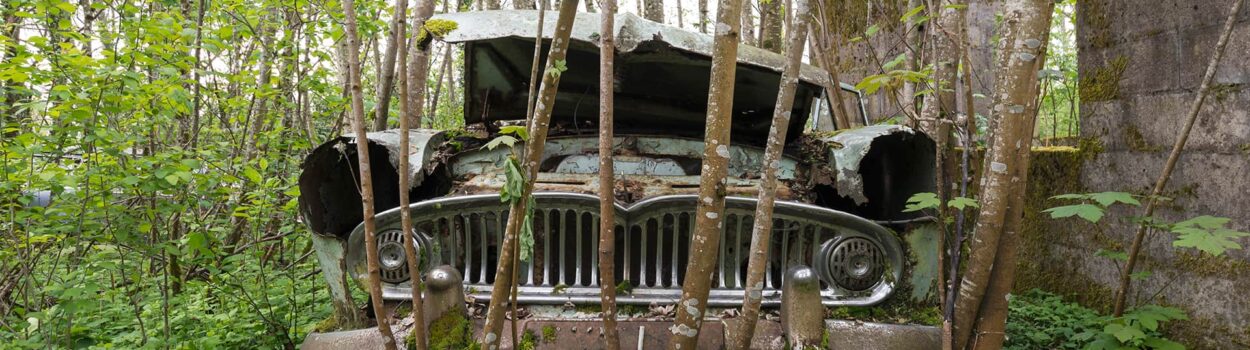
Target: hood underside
x,y
661,76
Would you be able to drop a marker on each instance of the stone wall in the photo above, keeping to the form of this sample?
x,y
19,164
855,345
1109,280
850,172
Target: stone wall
x,y
1141,62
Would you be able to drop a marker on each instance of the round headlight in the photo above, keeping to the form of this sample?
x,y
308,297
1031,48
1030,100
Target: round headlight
x,y
852,263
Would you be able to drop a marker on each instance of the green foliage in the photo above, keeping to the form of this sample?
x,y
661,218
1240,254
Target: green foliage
x,y
1208,234
557,67
170,145
929,200
1137,329
1092,206
1040,320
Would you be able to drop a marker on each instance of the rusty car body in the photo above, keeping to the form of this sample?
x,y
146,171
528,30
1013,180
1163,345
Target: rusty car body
x,y
839,211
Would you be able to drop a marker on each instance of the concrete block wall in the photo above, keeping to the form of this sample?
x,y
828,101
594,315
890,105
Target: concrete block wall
x,y
1141,62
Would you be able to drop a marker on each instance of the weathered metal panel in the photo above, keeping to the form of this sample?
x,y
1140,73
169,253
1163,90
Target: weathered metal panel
x,y
848,150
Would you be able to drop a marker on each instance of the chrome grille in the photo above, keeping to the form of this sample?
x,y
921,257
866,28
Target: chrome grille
x,y
651,255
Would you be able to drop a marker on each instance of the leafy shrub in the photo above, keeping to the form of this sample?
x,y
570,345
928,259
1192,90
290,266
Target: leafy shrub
x,y
1041,320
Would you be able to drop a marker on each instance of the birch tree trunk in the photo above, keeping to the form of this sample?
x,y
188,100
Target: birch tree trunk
x,y
607,176
352,56
653,10
762,229
410,250
746,34
419,63
705,240
501,289
1025,30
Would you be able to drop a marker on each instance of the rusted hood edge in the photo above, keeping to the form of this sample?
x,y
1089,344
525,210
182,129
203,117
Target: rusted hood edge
x,y
631,32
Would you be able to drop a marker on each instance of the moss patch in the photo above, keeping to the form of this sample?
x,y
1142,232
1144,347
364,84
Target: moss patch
x,y
451,331
549,334
326,325
1104,83
899,313
1135,141
1209,265
529,341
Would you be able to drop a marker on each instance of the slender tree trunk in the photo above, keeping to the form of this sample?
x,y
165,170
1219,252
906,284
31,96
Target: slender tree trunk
x,y
653,10
705,240
405,217
914,47
387,79
703,16
501,289
352,56
771,20
1024,31
680,14
1153,201
826,53
746,33
419,65
530,99
607,176
492,4
762,228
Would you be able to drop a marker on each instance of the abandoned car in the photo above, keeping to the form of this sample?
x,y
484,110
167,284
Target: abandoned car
x,y
839,209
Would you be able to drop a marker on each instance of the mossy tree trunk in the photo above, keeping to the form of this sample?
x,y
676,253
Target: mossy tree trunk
x,y
352,56
705,240
762,229
1025,29
503,286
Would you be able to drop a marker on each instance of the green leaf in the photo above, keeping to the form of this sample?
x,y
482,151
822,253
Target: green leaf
x,y
1106,199
251,174
1140,275
1123,333
1112,254
558,67
171,179
500,140
911,13
922,201
902,57
1204,221
1162,344
1089,212
872,30
962,202
519,130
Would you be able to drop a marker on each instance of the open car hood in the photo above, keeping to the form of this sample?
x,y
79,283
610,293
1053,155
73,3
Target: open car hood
x,y
662,75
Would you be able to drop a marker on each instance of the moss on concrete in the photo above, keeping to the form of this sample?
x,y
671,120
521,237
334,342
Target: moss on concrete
x,y
1104,83
529,341
1208,265
549,334
1135,141
451,331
